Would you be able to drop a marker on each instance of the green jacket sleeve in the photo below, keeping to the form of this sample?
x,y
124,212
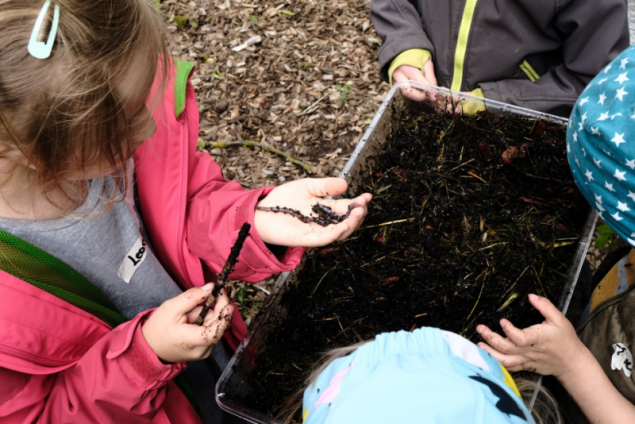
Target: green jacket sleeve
x,y
413,57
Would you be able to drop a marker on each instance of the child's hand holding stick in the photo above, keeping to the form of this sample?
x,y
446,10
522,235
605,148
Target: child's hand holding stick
x,y
222,277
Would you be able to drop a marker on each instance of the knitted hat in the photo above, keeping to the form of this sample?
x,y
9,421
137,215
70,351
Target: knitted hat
x,y
427,376
601,144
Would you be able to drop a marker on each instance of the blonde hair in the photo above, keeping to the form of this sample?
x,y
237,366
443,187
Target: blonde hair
x,y
63,113
544,411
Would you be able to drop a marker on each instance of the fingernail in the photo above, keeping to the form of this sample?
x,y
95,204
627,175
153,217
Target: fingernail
x,y
208,287
533,296
479,329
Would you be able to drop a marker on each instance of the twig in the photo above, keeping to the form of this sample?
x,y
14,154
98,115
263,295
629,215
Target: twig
x,y
227,269
464,163
305,111
251,143
479,298
389,223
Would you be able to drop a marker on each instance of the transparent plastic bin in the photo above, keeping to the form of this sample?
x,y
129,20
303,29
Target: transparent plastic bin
x,y
233,383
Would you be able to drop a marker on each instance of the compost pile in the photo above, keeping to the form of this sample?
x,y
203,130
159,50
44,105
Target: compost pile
x,y
469,215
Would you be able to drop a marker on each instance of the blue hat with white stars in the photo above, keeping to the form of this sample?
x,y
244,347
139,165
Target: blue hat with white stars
x,y
601,144
426,376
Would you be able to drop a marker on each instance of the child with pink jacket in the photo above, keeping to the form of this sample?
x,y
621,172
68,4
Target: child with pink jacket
x,y
107,214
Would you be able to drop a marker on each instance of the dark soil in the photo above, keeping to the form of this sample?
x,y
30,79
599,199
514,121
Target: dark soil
x,y
470,214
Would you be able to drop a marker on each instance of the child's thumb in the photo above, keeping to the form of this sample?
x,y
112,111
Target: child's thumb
x,y
189,299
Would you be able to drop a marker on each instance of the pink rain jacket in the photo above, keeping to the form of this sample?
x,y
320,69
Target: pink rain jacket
x,y
59,364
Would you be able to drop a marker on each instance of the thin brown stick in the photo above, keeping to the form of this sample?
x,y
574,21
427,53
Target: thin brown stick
x,y
227,269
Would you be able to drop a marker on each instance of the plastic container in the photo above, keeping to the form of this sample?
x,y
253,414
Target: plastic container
x,y
233,382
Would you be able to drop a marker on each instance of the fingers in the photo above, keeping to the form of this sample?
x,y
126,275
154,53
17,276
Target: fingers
x,y
495,340
222,299
322,187
525,337
320,236
188,300
341,206
510,362
547,309
428,70
209,333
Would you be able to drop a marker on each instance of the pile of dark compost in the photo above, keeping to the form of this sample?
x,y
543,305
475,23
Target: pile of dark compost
x,y
470,214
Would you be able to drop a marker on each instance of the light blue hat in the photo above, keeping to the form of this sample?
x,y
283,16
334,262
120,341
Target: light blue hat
x,y
601,144
427,376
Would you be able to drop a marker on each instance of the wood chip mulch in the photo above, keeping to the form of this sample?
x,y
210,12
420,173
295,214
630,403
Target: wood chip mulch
x,y
297,76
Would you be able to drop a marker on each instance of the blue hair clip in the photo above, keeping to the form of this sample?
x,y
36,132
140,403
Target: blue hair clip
x,y
40,49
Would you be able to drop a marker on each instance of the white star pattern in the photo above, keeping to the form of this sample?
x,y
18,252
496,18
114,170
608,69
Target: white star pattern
x,y
633,115
577,162
620,175
583,151
584,117
608,186
568,148
607,69
630,163
622,206
602,98
597,163
618,139
599,207
580,126
598,198
583,101
575,137
616,216
622,78
620,95
596,131
607,153
617,114
623,63
589,175
600,82
631,195
603,116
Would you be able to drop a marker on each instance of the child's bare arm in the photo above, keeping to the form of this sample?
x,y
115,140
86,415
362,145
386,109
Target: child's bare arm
x,y
553,348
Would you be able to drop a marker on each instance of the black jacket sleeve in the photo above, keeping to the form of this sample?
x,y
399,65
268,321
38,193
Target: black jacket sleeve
x,y
398,24
594,34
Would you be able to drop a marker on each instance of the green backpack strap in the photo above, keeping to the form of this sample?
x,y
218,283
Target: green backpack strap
x,y
181,75
46,272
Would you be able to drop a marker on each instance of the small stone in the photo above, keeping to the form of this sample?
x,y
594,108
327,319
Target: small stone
x,y
221,106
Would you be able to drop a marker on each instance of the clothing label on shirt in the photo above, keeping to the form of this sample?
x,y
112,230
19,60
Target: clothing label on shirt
x,y
622,359
133,260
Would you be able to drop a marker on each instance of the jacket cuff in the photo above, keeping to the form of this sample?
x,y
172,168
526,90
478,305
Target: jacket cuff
x,y
390,50
413,57
262,262
139,362
471,108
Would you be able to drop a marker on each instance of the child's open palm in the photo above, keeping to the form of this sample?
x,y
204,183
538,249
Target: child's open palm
x,y
550,348
285,230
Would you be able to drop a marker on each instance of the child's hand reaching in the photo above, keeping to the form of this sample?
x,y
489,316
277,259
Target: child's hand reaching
x,y
170,330
550,348
284,230
407,72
